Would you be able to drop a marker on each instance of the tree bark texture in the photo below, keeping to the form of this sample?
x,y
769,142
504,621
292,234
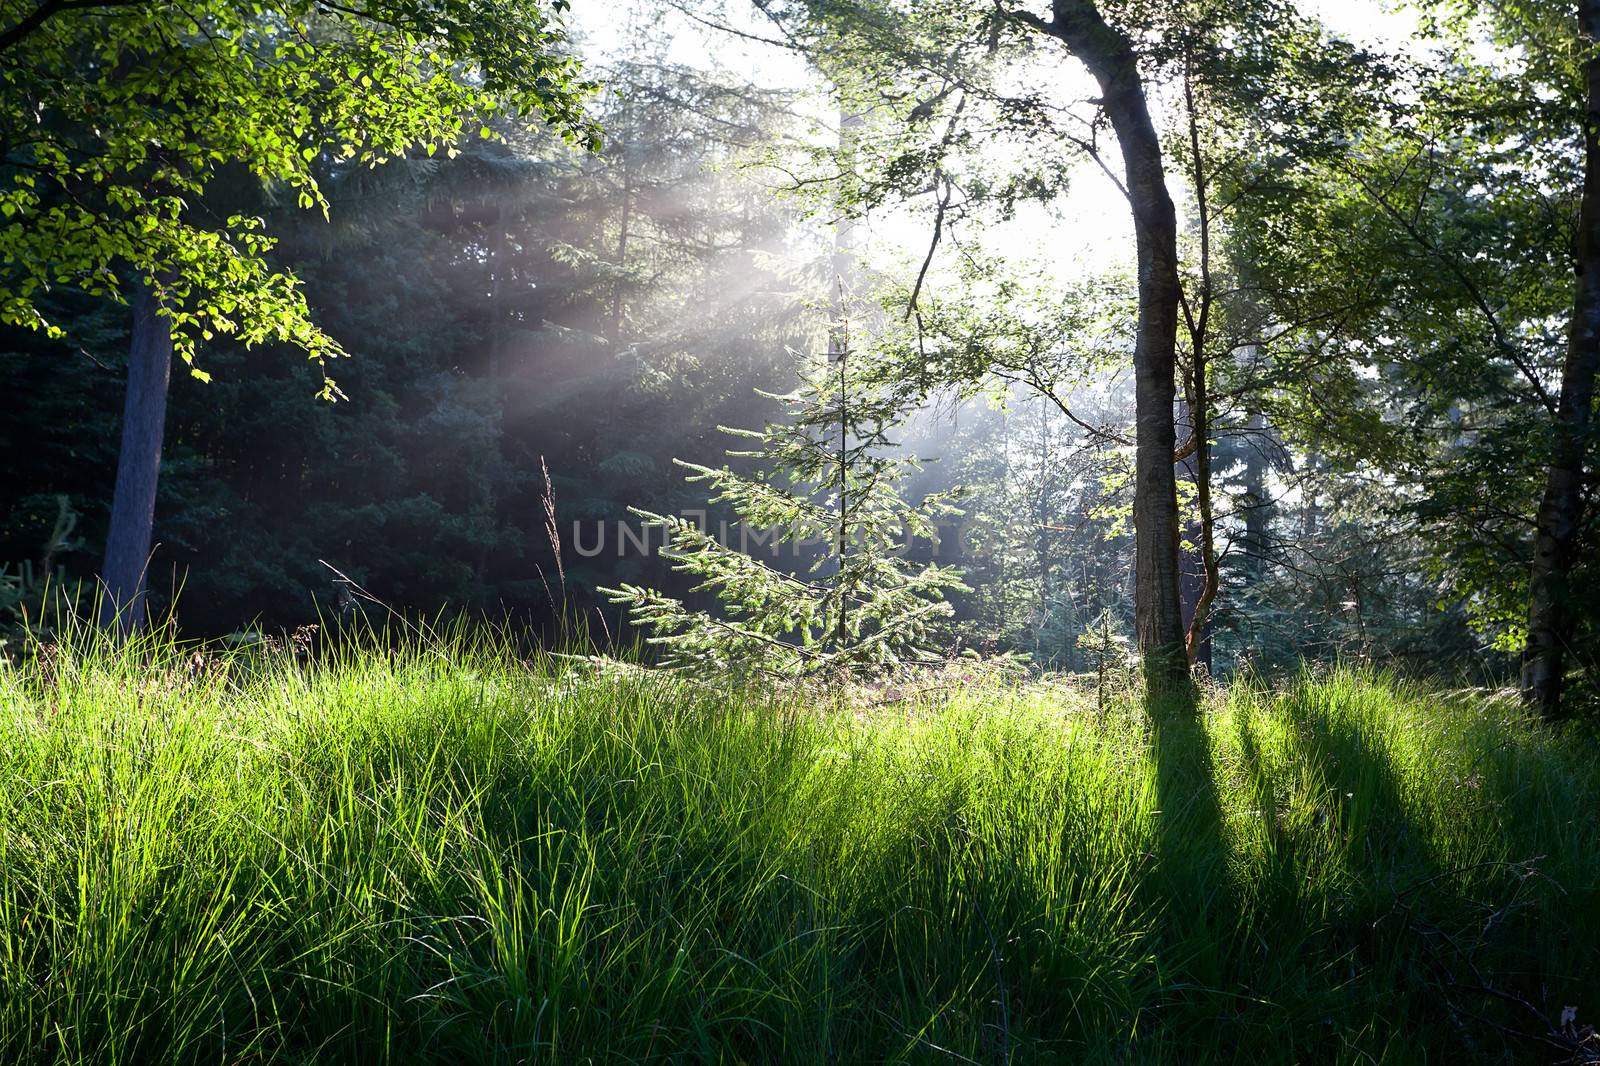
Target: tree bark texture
x,y
1110,57
133,501
1551,613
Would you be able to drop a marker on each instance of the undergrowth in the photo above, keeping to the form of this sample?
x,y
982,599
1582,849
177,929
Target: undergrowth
x,y
450,854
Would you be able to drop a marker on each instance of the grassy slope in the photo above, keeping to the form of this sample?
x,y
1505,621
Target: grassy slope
x,y
455,858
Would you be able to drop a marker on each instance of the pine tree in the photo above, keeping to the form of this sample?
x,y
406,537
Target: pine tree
x,y
827,485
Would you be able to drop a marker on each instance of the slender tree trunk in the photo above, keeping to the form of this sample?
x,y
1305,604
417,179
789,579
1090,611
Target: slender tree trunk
x,y
1551,618
1197,314
133,501
1110,58
1199,575
1198,635
1191,571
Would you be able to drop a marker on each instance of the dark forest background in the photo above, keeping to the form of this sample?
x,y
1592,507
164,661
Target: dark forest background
x,y
526,307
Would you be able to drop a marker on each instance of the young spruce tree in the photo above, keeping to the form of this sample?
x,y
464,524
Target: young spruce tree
x,y
857,606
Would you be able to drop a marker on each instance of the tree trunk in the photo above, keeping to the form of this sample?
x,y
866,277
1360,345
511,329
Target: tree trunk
x,y
1207,576
1200,570
1191,571
1157,612
133,502
1551,618
1198,576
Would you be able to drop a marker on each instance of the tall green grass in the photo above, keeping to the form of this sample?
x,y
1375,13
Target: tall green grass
x,y
450,855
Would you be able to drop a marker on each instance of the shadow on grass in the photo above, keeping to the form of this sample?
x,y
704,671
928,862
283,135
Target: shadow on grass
x,y
1422,931
1191,885
1277,899
1364,804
